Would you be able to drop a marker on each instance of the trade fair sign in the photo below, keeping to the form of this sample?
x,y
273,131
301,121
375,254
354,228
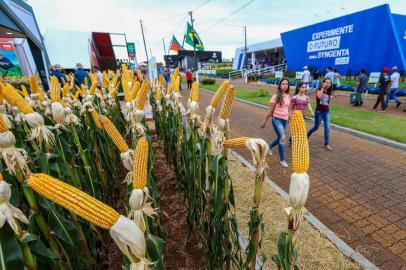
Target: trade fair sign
x,y
374,77
367,39
278,74
9,64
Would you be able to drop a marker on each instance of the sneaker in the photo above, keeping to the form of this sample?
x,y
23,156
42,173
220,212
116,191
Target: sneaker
x,y
284,164
270,153
373,109
382,111
328,148
397,105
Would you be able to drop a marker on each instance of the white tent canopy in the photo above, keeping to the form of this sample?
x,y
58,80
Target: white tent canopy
x,y
67,48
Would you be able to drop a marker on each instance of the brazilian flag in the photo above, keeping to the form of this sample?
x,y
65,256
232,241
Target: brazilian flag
x,y
193,39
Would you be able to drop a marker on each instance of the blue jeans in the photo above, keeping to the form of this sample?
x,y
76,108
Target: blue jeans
x,y
391,95
315,84
279,125
325,116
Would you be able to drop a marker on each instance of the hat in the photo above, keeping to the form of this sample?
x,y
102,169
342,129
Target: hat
x,y
394,68
57,67
79,65
305,67
385,70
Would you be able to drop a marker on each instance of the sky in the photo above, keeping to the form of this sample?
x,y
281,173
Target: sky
x,y
218,22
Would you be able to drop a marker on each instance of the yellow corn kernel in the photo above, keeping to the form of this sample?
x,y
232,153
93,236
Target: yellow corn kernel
x,y
169,89
300,145
95,117
74,200
219,94
227,103
236,142
135,90
93,88
162,81
3,125
142,96
194,93
140,164
176,83
34,87
23,106
15,99
113,133
158,94
65,89
24,91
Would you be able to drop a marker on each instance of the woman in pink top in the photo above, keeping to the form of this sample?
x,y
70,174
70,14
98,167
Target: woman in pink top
x,y
279,111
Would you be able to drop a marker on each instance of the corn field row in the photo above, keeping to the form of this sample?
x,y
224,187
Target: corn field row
x,y
77,172
197,148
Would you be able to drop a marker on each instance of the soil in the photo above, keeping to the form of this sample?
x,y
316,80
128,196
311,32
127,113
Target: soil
x,y
182,250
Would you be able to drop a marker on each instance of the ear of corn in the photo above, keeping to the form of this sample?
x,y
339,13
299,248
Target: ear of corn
x,y
227,103
169,89
140,164
158,94
3,125
113,133
24,91
1,93
300,145
194,93
219,94
73,199
95,117
236,142
15,99
65,89
86,81
34,87
142,96
93,88
135,90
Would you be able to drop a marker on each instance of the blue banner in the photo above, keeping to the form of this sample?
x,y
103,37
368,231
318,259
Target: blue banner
x,y
364,39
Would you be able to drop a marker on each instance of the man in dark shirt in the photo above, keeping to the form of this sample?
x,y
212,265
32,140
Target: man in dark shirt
x,y
384,80
5,64
362,81
59,74
80,75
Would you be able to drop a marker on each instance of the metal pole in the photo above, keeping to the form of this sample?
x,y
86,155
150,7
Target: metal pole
x,y
193,38
163,42
245,46
145,46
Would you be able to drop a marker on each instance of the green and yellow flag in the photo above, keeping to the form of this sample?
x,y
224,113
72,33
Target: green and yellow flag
x,y
193,39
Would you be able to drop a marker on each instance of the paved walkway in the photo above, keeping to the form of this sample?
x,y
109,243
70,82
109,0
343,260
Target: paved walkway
x,y
342,97
358,190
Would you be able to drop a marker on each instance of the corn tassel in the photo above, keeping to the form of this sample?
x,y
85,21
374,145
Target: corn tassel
x,y
140,164
113,133
236,142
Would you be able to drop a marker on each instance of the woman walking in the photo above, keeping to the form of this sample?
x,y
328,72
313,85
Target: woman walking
x,y
323,96
279,111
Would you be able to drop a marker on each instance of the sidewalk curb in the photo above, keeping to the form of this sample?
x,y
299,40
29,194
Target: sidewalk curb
x,y
346,130
323,229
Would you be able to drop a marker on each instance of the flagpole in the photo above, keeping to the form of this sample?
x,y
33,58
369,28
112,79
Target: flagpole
x,y
193,38
145,46
163,43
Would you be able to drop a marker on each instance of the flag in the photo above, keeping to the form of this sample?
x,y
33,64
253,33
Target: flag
x,y
175,45
192,38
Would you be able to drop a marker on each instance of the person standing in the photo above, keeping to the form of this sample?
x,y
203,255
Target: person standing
x,y
323,97
383,87
362,81
279,111
337,76
330,75
393,87
306,77
316,80
189,79
80,75
58,73
99,76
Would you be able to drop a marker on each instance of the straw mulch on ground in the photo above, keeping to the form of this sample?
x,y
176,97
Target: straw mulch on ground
x,y
315,251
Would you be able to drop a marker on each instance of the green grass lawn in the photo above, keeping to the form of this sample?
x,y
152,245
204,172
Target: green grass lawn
x,y
384,125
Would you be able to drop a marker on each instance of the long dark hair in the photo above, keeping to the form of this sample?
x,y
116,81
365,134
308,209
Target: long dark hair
x,y
279,93
330,89
298,86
